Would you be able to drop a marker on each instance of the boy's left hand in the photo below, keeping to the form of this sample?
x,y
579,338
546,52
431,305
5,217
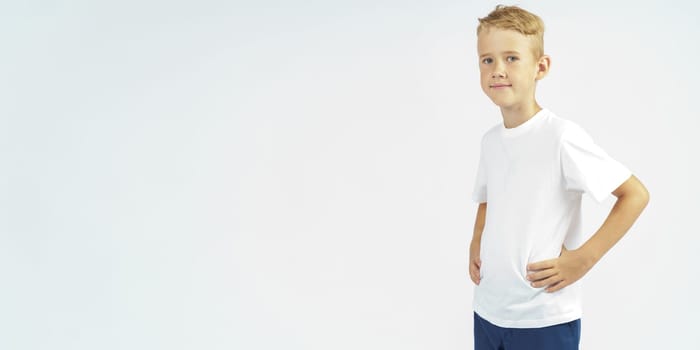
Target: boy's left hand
x,y
558,273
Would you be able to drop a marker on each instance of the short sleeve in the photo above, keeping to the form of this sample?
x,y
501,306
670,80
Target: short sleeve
x,y
479,192
586,167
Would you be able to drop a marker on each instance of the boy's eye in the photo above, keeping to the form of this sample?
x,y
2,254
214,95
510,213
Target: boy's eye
x,y
487,60
511,58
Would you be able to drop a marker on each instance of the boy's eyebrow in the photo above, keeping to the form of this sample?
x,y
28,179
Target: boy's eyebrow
x,y
504,52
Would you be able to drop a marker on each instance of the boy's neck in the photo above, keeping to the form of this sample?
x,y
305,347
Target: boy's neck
x,y
516,115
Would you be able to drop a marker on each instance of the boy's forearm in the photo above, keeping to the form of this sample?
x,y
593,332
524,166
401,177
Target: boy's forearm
x,y
479,222
476,236
622,216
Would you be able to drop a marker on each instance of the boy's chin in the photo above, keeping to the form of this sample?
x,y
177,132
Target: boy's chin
x,y
501,103
506,104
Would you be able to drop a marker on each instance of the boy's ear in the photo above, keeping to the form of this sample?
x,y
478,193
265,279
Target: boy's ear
x,y
543,66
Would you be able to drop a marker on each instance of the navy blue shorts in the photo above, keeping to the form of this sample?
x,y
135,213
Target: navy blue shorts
x,y
487,336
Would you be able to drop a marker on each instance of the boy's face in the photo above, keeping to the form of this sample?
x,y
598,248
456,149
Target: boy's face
x,y
509,69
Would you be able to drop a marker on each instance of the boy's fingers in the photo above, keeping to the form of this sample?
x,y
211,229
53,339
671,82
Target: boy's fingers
x,y
539,275
548,282
557,286
474,275
541,265
474,272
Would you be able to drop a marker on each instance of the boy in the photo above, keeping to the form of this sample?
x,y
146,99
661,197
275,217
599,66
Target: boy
x,y
533,169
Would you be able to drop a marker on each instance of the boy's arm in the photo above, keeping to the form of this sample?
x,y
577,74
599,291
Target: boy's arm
x,y
571,265
475,245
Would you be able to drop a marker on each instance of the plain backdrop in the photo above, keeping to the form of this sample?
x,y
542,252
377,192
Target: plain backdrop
x,y
297,175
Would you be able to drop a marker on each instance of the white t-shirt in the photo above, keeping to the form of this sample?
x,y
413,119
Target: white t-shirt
x,y
533,177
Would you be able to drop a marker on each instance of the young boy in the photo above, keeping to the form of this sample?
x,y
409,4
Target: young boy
x,y
533,169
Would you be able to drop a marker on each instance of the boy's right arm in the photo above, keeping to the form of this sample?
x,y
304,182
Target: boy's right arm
x,y
475,246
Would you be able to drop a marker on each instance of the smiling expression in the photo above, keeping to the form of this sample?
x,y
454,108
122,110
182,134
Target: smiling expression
x,y
509,70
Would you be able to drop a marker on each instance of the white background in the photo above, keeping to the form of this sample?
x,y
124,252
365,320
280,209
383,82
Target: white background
x,y
297,175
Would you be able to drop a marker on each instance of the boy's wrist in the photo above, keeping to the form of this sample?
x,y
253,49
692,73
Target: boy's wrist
x,y
588,256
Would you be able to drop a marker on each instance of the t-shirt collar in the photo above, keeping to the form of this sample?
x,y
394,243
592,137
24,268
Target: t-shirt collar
x,y
524,127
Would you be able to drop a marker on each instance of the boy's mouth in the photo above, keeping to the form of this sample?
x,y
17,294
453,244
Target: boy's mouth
x,y
500,86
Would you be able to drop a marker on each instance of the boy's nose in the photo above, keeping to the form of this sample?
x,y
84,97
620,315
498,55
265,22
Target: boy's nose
x,y
498,73
498,70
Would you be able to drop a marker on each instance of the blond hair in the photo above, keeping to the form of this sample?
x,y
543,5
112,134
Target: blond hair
x,y
515,18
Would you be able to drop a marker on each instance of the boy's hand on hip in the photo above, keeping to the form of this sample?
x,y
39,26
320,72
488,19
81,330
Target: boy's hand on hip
x,y
475,262
555,274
